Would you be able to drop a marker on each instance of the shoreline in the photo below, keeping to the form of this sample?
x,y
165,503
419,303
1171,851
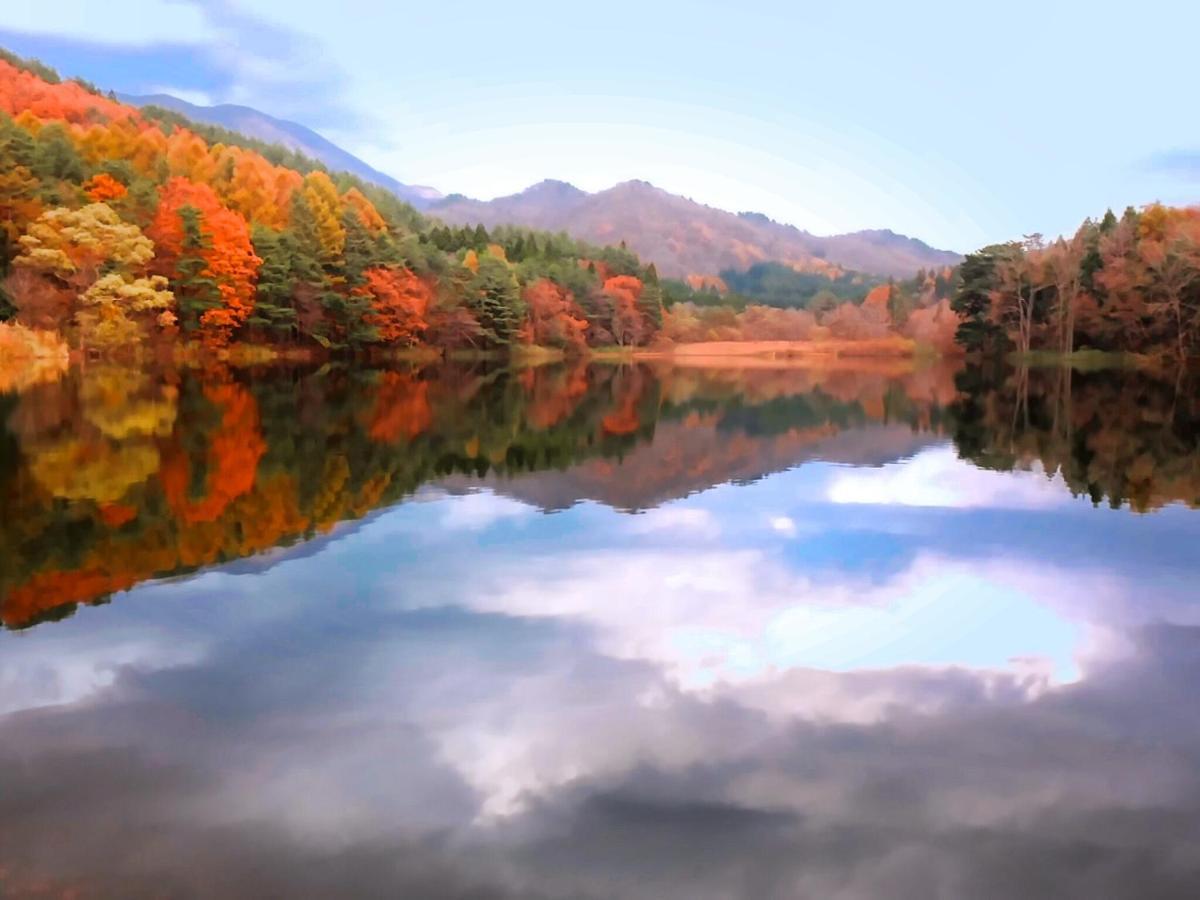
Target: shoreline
x,y
775,354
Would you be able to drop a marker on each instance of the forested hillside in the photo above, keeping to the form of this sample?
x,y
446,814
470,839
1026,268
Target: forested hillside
x,y
685,238
292,135
125,227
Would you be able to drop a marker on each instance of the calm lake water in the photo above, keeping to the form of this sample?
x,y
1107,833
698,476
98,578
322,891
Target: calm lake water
x,y
600,632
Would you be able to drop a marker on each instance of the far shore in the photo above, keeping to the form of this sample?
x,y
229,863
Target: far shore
x,y
773,354
714,354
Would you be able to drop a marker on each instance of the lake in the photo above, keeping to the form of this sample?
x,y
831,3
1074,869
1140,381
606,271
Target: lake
x,y
877,629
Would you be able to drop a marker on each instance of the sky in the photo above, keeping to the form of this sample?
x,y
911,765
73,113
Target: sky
x,y
960,124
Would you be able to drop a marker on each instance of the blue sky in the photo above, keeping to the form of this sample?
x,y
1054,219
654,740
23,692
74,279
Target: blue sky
x,y
957,123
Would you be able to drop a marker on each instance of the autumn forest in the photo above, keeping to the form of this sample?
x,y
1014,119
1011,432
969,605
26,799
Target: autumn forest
x,y
124,227
129,228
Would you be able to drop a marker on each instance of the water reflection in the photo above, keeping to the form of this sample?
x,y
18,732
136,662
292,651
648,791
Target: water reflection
x,y
885,671
114,476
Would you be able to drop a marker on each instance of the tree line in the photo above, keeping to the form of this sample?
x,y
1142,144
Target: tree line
x,y
1128,284
122,227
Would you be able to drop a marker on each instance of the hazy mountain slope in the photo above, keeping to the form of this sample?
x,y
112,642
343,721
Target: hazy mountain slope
x,y
683,237
687,459
297,137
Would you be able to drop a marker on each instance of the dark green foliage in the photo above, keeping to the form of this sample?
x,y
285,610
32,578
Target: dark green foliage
x,y
650,304
195,291
901,301
33,66
674,291
1092,261
347,326
16,145
274,306
360,251
120,170
55,157
972,302
7,308
774,284
494,297
619,260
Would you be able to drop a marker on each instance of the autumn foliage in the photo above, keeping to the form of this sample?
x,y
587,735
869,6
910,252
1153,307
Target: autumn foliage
x,y
225,248
1129,284
400,303
261,244
230,463
103,187
555,319
24,92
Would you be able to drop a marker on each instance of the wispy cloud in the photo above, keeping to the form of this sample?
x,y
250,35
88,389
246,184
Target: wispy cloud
x,y
1176,163
204,53
126,23
189,95
476,512
938,477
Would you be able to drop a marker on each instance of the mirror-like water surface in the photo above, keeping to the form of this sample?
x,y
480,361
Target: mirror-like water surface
x,y
600,632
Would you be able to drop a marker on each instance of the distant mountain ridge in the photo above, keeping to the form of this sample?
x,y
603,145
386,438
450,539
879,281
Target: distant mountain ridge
x,y
292,135
684,237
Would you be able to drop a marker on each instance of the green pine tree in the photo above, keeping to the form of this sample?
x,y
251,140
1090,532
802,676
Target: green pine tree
x,y
972,301
274,305
195,289
495,299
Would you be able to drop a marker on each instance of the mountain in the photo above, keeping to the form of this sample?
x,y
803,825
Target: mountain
x,y
681,236
684,237
685,459
292,135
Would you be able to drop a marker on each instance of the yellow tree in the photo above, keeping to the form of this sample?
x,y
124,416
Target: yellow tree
x,y
252,191
188,155
18,202
114,310
72,244
322,198
61,255
365,210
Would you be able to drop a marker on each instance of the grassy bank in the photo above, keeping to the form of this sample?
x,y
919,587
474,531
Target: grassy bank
x,y
1084,360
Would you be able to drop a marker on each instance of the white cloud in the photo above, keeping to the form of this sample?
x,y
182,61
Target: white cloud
x,y
739,616
198,97
685,519
475,512
72,666
937,477
735,625
117,22
785,525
